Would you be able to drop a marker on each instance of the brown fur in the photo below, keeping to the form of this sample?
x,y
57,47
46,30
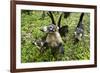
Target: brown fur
x,y
53,39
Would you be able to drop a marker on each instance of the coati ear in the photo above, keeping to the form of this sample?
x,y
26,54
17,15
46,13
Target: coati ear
x,y
57,28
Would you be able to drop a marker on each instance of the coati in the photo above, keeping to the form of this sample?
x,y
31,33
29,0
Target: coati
x,y
79,31
53,39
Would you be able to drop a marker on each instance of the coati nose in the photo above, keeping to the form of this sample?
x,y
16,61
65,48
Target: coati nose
x,y
51,28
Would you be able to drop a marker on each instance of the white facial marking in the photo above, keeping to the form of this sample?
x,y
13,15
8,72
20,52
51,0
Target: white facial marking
x,y
45,28
75,33
80,35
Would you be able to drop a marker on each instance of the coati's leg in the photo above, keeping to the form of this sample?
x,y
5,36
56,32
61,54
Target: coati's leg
x,y
61,49
61,52
75,41
44,47
57,52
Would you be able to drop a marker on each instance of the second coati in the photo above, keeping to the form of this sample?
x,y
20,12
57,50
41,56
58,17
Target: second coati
x,y
79,31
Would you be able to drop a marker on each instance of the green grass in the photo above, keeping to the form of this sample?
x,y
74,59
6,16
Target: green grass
x,y
31,23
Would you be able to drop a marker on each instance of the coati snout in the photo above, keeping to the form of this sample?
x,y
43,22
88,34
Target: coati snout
x,y
49,29
52,28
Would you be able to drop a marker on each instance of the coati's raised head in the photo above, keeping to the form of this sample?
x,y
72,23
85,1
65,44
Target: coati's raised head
x,y
79,33
52,28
